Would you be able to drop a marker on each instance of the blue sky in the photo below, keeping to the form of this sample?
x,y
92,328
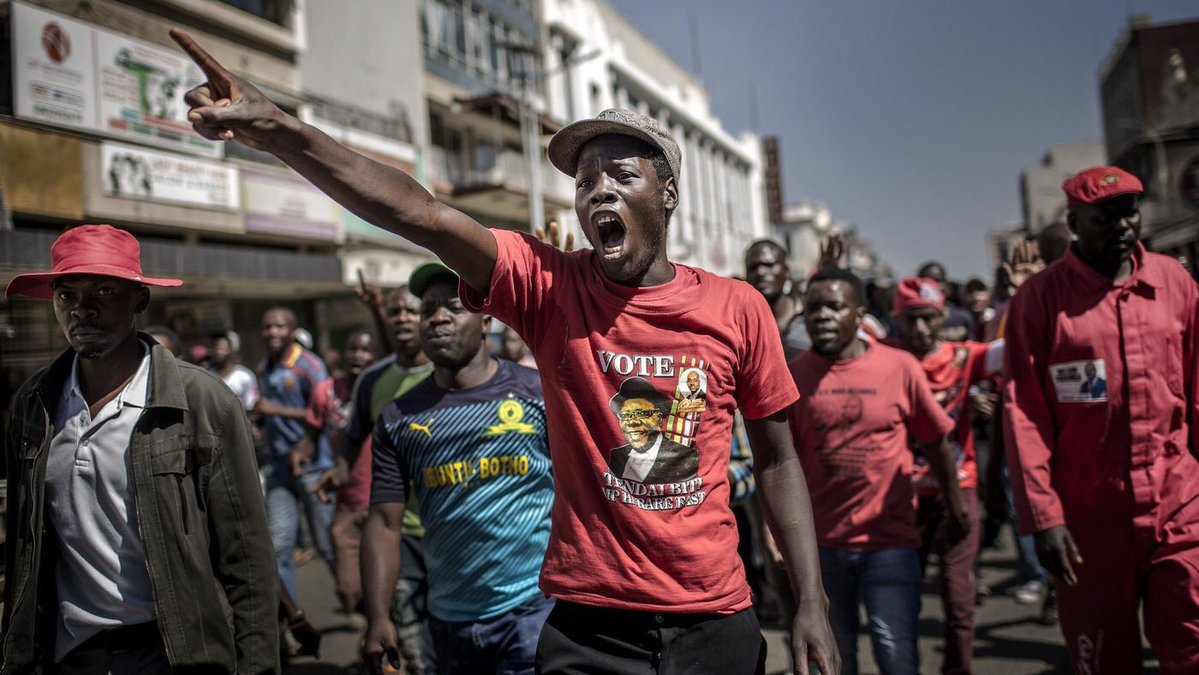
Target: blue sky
x,y
909,118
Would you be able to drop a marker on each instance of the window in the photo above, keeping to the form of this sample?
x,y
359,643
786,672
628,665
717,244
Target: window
x,y
275,11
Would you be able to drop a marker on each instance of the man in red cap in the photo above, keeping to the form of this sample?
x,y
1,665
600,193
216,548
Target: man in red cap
x,y
952,368
137,535
646,574
1106,477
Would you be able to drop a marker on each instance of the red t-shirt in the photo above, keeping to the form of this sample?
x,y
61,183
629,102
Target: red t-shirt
x,y
641,520
328,411
852,426
951,370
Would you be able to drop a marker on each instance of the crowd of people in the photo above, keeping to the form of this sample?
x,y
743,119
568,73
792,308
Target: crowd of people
x,y
639,463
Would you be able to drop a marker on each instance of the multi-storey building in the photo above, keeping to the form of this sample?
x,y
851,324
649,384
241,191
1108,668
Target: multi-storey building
x,y
487,125
1151,126
595,59
1041,198
93,129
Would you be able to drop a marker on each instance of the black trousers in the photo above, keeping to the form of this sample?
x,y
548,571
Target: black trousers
x,y
118,651
580,639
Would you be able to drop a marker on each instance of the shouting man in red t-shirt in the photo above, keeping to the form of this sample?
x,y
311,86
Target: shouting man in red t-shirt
x,y
646,573
862,405
952,368
1103,431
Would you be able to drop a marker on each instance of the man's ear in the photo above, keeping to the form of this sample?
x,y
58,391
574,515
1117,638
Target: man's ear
x,y
142,302
670,194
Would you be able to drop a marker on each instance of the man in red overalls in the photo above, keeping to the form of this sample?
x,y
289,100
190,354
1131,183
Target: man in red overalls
x,y
1102,436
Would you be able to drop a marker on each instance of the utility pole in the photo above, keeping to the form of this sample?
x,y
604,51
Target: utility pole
x,y
530,128
530,121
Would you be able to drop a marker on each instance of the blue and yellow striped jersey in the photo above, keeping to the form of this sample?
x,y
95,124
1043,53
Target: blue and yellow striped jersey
x,y
479,462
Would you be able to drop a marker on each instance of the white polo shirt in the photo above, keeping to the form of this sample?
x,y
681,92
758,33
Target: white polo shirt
x,y
101,576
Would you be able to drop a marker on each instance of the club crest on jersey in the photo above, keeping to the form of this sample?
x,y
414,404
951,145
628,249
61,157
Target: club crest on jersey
x,y
511,414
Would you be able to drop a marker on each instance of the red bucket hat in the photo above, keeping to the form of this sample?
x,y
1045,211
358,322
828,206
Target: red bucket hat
x,y
1099,184
88,249
918,292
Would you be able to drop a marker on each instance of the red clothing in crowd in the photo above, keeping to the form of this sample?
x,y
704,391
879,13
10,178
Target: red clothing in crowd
x,y
1101,437
329,411
852,426
668,545
951,369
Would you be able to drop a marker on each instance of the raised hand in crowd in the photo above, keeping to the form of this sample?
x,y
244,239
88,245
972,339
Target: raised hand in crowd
x,y
1026,261
554,237
832,252
372,298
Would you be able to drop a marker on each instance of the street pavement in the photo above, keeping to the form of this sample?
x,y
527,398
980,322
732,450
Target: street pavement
x,y
1009,639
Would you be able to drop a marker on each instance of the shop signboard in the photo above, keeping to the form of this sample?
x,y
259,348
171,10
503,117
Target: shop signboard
x,y
69,73
53,74
130,172
287,205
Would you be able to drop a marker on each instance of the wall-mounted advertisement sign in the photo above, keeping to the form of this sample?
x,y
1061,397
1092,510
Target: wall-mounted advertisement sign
x,y
52,68
290,206
69,73
134,173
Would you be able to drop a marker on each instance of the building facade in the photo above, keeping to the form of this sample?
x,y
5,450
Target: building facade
x,y
93,129
1150,111
1042,201
488,130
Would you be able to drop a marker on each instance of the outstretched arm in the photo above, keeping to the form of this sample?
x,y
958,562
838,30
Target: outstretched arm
x,y
228,108
784,496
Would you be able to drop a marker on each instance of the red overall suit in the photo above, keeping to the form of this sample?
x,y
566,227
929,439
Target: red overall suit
x,y
1102,431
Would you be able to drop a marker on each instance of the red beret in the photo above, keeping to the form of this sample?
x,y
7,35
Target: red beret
x,y
1101,183
918,292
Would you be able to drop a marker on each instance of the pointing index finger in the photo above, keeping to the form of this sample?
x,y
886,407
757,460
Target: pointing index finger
x,y
219,79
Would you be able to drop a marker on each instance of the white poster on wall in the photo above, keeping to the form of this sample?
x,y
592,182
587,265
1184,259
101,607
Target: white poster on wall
x,y
141,90
53,74
129,172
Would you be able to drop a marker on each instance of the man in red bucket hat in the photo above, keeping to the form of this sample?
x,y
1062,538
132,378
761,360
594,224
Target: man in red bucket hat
x,y
132,479
1102,427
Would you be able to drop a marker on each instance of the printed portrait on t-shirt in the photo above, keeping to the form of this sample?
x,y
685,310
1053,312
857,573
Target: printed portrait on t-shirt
x,y
650,456
690,401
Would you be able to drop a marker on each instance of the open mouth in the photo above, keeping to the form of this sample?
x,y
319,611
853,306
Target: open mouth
x,y
611,235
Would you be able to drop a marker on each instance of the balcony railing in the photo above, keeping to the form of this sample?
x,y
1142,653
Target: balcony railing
x,y
507,168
